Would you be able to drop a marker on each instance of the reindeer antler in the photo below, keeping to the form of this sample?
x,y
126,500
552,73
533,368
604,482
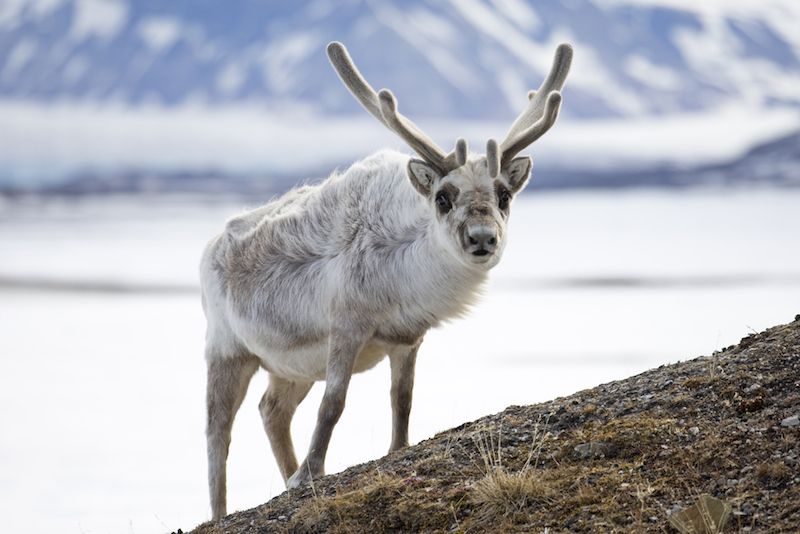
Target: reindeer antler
x,y
542,109
383,106
532,123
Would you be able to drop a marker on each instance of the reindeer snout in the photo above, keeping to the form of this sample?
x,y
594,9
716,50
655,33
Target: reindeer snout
x,y
480,240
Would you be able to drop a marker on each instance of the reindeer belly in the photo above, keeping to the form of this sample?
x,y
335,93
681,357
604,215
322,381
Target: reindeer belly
x,y
309,363
301,364
302,360
372,353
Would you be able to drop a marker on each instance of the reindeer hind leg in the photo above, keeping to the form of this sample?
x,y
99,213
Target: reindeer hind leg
x,y
277,408
227,383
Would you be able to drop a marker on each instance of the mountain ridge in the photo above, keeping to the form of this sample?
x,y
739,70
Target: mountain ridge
x,y
471,58
776,163
112,90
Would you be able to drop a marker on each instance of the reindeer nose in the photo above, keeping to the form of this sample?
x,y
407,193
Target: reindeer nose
x,y
480,240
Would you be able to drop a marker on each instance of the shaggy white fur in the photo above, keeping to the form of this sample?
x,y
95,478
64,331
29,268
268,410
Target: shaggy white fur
x,y
329,279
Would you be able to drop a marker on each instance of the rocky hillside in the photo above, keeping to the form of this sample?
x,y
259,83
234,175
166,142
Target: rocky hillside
x,y
707,445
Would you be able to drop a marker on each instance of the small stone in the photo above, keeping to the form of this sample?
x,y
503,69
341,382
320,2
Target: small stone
x,y
282,518
694,430
791,421
752,388
594,449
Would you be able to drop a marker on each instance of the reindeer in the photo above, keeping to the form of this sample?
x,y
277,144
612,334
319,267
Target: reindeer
x,y
329,279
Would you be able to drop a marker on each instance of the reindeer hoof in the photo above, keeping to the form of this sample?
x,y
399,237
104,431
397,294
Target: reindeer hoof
x,y
294,482
299,478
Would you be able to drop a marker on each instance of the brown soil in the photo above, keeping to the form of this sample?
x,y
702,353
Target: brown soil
x,y
620,457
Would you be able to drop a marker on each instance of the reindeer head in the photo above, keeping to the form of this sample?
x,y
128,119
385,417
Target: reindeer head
x,y
470,194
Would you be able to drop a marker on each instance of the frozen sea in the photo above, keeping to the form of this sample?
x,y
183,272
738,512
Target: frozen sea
x,y
101,338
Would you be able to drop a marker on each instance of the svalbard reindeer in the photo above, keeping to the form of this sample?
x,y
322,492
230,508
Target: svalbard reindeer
x,y
329,279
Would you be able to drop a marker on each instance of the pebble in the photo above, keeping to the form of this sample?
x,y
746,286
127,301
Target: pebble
x,y
694,430
594,449
752,388
791,421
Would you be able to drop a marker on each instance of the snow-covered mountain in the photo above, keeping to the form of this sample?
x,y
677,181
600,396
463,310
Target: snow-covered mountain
x,y
100,87
456,58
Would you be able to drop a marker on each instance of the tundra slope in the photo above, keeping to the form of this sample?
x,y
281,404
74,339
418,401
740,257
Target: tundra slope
x,y
724,424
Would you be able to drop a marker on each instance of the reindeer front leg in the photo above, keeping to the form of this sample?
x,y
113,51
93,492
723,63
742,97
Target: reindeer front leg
x,y
402,362
344,346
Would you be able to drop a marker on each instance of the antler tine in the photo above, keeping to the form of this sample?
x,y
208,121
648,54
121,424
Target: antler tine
x,y
383,106
461,152
409,131
512,147
492,158
352,79
542,108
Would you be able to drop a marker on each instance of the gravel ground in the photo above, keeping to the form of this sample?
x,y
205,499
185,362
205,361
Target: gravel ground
x,y
621,457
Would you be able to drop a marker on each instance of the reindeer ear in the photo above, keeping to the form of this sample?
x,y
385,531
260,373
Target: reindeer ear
x,y
517,172
422,175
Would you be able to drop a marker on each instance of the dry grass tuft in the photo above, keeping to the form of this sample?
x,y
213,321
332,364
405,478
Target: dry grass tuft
x,y
502,494
632,436
773,474
589,409
387,503
698,382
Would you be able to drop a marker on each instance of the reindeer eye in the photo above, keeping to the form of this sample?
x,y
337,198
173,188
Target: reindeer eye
x,y
503,198
443,202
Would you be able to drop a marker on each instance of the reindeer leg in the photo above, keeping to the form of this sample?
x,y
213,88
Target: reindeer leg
x,y
277,408
345,344
226,386
402,363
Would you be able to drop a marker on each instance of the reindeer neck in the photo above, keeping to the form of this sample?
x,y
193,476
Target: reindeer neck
x,y
444,285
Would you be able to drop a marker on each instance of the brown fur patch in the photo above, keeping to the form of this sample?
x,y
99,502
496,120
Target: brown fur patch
x,y
451,191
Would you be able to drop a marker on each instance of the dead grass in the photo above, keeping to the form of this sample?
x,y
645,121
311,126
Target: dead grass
x,y
697,382
501,494
631,436
387,503
773,474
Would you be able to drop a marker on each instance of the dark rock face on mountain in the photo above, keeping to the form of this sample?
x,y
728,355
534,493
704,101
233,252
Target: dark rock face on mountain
x,y
773,163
